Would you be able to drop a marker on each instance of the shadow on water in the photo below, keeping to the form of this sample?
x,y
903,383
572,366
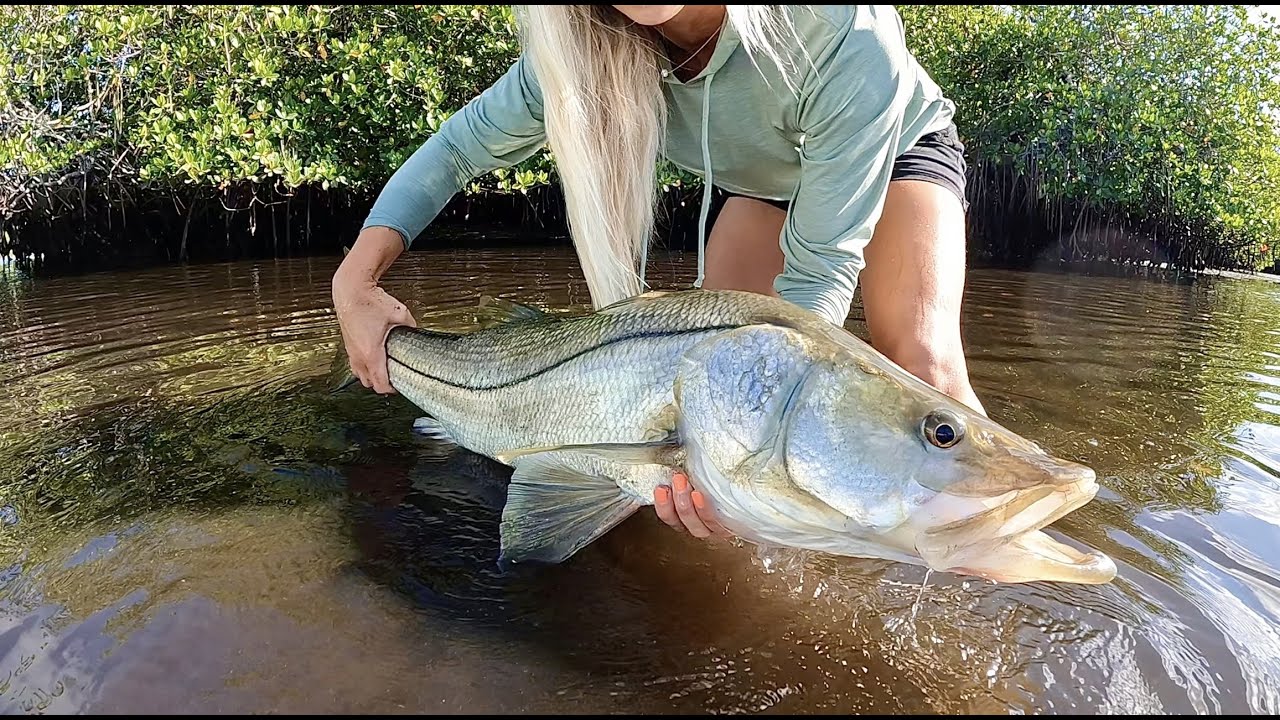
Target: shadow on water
x,y
190,522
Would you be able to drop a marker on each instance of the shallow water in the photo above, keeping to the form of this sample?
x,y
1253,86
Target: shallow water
x,y
189,523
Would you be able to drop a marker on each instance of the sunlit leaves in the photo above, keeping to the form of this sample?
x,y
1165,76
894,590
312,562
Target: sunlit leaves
x,y
1157,113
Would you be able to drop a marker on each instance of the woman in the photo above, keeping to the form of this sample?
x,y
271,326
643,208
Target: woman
x,y
837,150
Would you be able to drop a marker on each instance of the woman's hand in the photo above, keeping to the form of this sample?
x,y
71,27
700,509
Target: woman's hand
x,y
684,508
365,312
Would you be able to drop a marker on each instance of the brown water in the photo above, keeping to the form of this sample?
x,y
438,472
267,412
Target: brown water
x,y
191,524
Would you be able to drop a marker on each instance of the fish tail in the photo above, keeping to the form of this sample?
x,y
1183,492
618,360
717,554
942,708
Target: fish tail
x,y
340,375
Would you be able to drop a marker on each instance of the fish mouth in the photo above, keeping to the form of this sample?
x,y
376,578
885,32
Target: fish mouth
x,y
1002,539
1037,557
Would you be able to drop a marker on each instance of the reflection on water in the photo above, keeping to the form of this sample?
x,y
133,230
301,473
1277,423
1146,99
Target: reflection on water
x,y
189,522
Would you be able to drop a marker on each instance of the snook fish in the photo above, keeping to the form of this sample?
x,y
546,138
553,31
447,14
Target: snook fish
x,y
799,433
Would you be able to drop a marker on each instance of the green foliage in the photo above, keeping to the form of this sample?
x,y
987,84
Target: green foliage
x,y
280,96
1160,115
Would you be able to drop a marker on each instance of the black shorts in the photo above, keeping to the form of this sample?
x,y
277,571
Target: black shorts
x,y
937,158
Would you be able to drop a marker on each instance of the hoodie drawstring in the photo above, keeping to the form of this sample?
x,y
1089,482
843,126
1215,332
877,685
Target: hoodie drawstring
x,y
707,181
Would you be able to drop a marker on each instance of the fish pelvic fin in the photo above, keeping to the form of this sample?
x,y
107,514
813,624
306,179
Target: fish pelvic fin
x,y
430,427
553,510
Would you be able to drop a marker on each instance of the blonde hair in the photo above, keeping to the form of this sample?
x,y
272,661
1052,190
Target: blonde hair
x,y
606,119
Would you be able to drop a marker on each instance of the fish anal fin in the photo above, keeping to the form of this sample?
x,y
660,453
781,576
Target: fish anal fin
x,y
554,510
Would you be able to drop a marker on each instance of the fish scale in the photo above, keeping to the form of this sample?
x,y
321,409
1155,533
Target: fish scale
x,y
601,378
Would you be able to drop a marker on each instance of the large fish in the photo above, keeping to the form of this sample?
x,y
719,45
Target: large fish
x,y
800,434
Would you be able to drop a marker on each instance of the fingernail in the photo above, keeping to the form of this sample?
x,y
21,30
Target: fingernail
x,y
662,495
680,483
699,501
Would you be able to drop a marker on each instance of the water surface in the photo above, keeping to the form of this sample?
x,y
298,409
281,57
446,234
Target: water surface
x,y
190,523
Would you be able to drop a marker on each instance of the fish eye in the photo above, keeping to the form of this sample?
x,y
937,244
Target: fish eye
x,y
942,429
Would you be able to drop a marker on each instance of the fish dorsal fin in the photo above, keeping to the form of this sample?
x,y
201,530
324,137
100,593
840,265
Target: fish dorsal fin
x,y
554,509
497,311
626,304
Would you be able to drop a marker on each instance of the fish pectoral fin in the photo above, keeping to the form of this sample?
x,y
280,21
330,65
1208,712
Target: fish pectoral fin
x,y
498,311
553,511
658,452
430,427
756,466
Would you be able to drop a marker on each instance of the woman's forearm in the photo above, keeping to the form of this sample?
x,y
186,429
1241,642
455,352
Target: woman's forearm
x,y
375,250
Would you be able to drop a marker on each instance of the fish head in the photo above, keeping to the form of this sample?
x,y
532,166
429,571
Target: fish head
x,y
920,471
825,444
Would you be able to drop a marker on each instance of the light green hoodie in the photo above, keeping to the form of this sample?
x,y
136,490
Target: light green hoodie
x,y
829,148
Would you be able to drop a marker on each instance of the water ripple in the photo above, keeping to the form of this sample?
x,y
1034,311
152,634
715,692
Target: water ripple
x,y
177,488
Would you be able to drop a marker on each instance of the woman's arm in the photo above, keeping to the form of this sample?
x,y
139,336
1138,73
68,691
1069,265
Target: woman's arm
x,y
854,98
365,312
860,90
500,128
863,96
913,286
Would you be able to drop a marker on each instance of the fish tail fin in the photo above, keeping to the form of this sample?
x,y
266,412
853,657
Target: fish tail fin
x,y
340,375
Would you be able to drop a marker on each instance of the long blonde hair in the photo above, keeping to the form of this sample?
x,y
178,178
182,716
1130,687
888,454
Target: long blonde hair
x,y
606,121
